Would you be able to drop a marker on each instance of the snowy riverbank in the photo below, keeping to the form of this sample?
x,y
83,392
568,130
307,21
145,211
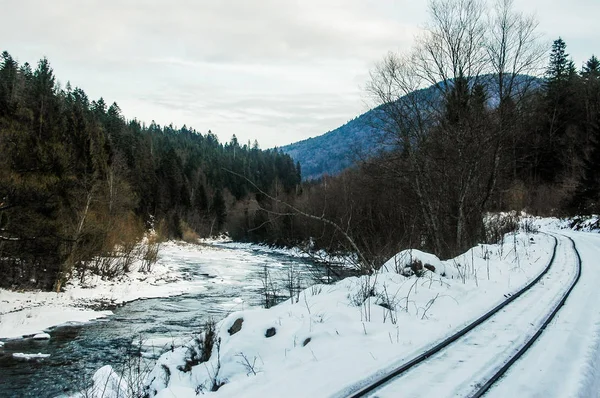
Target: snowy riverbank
x,y
336,335
31,312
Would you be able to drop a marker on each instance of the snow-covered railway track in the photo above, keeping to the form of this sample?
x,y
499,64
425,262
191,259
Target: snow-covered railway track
x,y
482,389
471,360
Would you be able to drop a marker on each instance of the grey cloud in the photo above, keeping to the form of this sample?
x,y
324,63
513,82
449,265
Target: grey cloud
x,y
276,70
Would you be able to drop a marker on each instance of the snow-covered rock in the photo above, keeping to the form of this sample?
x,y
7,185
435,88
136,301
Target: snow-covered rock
x,y
414,260
20,355
107,383
41,336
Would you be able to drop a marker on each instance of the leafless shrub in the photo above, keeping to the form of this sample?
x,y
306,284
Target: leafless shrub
x,y
149,254
361,296
292,283
528,226
269,288
216,381
498,225
188,234
389,304
207,341
431,279
245,362
407,298
316,289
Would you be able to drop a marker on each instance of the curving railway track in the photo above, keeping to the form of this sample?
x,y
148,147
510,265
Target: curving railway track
x,y
470,361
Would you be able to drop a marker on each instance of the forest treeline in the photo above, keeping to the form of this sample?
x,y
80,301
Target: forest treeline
x,y
79,182
495,135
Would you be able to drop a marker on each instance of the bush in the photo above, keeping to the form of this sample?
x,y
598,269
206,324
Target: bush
x,y
498,225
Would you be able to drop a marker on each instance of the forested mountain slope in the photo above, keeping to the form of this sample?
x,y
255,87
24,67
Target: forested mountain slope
x,y
338,149
364,136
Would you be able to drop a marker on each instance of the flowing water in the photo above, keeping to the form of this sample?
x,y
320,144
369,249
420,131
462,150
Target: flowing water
x,y
231,281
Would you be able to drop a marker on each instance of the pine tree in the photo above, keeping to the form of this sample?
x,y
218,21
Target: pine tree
x,y
561,68
562,114
8,79
591,67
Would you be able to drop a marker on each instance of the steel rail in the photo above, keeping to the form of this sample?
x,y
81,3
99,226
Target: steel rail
x,y
487,385
451,339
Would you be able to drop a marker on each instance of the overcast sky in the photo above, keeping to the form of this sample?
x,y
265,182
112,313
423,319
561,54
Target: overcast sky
x,y
274,70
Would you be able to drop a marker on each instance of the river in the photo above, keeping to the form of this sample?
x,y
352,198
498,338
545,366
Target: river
x,y
232,283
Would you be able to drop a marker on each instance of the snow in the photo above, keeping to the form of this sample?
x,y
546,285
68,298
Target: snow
x,y
41,336
474,358
332,336
565,361
20,355
107,383
589,223
32,312
32,321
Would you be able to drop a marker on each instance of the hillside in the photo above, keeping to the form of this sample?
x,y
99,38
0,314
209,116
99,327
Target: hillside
x,y
340,148
337,149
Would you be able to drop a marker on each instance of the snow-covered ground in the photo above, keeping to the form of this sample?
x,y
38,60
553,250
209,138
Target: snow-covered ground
x,y
565,361
332,336
470,361
582,223
30,313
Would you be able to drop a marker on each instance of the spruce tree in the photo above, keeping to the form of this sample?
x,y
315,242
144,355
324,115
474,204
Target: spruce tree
x,y
591,67
587,194
561,114
561,68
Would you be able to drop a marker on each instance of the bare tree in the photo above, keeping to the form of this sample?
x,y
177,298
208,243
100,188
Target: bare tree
x,y
451,47
449,143
514,51
515,54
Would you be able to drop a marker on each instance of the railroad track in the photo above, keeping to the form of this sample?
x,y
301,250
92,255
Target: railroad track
x,y
423,367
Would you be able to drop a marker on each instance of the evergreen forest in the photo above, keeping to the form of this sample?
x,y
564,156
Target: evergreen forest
x,y
79,182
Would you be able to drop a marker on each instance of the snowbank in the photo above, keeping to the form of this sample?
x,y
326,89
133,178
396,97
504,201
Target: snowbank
x,y
31,321
589,223
20,355
331,336
408,261
29,313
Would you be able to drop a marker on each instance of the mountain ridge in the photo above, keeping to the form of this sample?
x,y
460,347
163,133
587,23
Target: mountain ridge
x,y
336,150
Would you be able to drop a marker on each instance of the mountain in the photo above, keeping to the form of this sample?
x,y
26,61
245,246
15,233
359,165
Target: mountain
x,y
339,149
336,150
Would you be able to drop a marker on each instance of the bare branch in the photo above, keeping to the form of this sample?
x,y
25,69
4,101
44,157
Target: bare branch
x,y
296,211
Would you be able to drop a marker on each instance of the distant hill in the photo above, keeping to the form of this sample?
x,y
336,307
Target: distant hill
x,y
335,150
339,149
